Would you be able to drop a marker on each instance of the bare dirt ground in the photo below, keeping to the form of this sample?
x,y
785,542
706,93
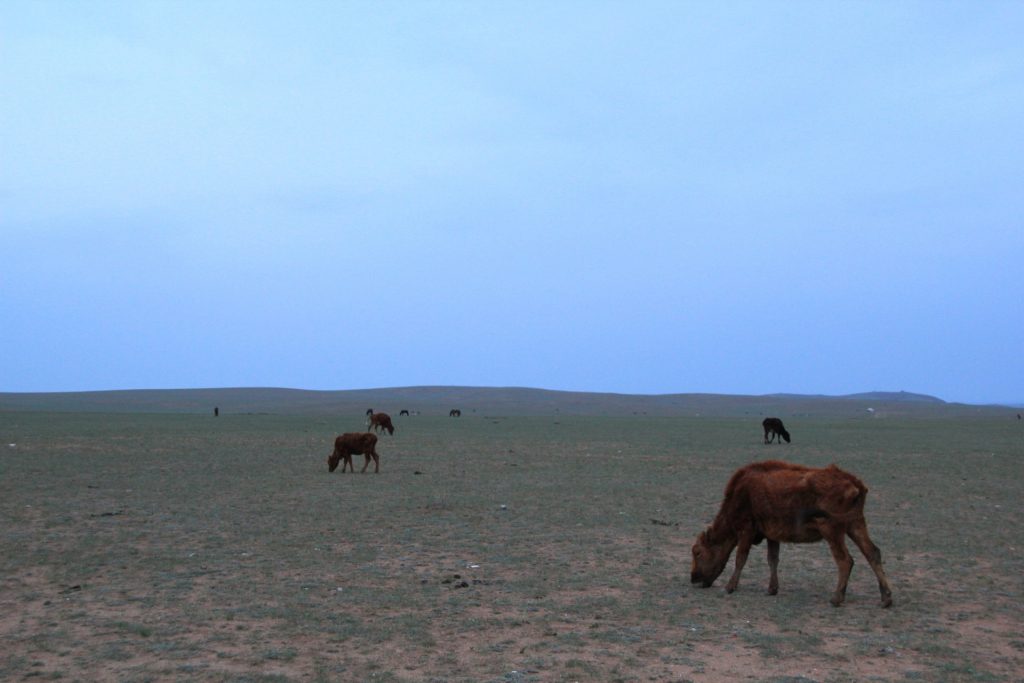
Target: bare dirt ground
x,y
224,557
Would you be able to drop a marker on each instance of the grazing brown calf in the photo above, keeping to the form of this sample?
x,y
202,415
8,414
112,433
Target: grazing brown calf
x,y
774,426
380,421
787,503
354,443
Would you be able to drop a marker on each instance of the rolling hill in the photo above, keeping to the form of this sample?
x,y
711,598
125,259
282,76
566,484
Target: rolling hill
x,y
438,400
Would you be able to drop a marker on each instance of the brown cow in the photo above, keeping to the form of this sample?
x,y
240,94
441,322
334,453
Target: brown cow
x,y
354,443
787,503
774,426
380,421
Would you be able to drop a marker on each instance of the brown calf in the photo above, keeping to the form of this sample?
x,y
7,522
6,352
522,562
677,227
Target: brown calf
x,y
787,503
379,421
354,443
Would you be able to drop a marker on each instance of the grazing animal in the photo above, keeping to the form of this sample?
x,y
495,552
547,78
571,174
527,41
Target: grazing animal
x,y
455,412
380,421
354,443
402,412
369,412
787,503
774,426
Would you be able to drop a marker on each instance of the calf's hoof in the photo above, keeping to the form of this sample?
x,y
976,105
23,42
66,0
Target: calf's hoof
x,y
773,590
886,601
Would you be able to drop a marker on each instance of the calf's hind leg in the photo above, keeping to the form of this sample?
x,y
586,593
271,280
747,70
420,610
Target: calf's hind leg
x,y
773,565
859,533
376,461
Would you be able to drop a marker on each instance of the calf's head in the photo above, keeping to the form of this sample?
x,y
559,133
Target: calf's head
x,y
709,559
332,461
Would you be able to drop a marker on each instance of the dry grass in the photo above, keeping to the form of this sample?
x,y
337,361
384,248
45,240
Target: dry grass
x,y
489,549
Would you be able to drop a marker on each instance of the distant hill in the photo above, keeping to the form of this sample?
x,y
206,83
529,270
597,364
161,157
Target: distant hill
x,y
483,401
895,396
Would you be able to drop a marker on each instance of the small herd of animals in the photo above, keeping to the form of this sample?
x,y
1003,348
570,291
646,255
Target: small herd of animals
x,y
772,500
365,443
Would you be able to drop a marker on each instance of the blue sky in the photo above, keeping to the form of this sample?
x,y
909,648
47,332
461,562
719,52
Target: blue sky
x,y
728,197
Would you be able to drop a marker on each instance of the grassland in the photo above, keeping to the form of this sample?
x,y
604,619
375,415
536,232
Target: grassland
x,y
151,547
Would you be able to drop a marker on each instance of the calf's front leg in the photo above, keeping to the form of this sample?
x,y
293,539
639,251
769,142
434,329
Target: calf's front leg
x,y
742,550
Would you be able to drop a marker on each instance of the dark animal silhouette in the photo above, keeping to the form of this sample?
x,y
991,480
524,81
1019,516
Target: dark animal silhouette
x,y
774,426
379,421
369,412
402,412
455,412
787,503
216,411
354,443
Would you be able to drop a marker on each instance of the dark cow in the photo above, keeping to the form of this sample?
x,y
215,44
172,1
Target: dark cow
x,y
369,412
787,503
455,412
354,443
774,426
402,412
379,421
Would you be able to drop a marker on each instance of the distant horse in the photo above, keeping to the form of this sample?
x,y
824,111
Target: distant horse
x,y
380,421
455,412
774,426
402,412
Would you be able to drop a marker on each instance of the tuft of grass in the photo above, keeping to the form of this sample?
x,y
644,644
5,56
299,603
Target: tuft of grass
x,y
283,654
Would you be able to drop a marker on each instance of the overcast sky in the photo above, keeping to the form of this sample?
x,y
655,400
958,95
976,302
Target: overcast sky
x,y
638,197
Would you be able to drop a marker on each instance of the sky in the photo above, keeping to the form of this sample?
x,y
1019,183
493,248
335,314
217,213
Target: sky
x,y
635,197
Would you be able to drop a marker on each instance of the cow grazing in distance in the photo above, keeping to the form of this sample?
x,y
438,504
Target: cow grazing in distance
x,y
402,412
354,443
369,412
787,503
380,421
455,412
774,426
